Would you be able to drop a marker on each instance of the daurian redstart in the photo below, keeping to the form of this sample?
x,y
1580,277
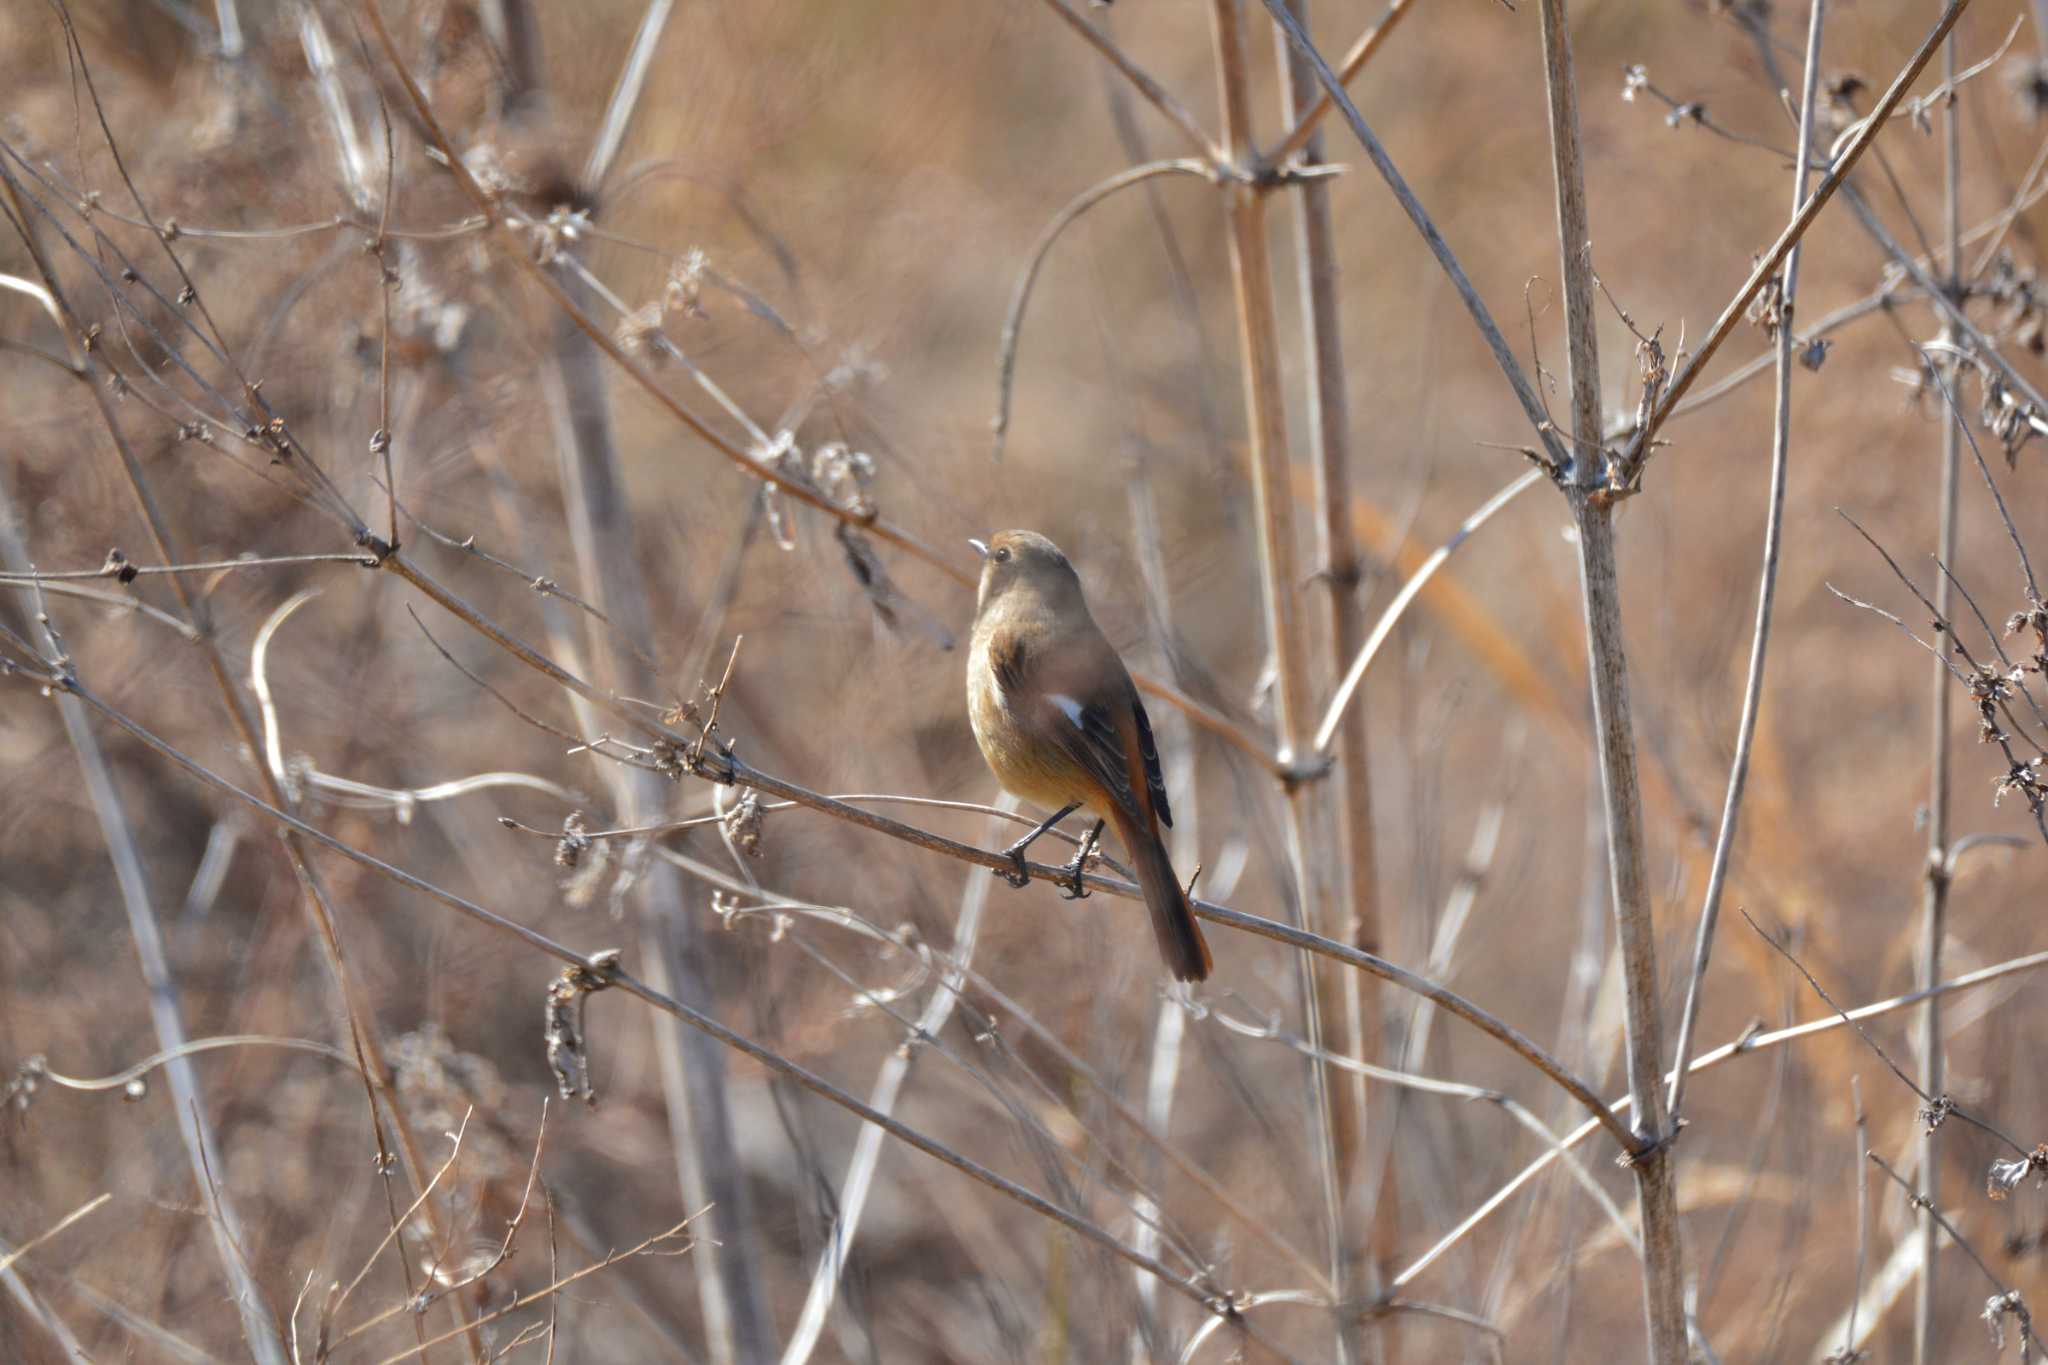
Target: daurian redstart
x,y
1060,723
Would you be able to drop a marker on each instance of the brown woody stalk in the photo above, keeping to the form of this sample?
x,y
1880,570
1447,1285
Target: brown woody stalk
x,y
1592,512
1310,866
1935,874
1354,1003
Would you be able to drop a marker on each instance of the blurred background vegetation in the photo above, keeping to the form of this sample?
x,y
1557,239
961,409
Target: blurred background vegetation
x,y
835,202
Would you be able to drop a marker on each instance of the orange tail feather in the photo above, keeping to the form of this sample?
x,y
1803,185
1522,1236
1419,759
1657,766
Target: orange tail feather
x,y
1173,919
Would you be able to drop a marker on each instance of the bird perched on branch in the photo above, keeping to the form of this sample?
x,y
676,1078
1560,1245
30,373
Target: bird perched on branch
x,y
1059,721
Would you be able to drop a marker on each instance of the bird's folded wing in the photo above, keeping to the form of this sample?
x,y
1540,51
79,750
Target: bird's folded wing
x,y
1054,692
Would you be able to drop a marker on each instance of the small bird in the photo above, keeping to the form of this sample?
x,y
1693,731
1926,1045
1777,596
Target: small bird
x,y
1059,721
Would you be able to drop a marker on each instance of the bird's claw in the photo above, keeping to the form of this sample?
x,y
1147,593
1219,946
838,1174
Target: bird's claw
x,y
1018,876
1071,884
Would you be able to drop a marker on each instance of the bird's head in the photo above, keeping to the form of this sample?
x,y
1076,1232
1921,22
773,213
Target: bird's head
x,y
1026,561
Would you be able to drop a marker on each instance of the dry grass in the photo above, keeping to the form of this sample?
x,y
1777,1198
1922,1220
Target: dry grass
x,y
827,207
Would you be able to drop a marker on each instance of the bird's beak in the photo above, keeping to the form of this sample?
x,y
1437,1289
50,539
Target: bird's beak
x,y
980,547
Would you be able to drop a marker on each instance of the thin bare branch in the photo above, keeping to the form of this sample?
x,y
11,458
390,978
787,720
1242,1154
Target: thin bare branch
x,y
1297,138
85,1210
1020,293
1503,355
1155,94
1774,524
1767,266
1333,715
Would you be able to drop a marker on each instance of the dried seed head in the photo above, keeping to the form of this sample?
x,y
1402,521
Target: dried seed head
x,y
743,825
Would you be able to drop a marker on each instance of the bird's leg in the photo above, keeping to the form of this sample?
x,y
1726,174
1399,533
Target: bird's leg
x,y
1072,886
1020,875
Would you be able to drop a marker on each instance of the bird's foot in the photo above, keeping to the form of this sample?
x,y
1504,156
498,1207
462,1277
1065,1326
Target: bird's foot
x,y
1071,886
1017,875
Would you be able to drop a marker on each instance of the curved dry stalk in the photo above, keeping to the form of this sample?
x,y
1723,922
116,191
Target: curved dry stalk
x,y
1020,293
192,1047
1378,1308
1333,715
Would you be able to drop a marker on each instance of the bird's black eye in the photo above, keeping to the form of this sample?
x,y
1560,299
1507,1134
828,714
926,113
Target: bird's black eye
x,y
1002,554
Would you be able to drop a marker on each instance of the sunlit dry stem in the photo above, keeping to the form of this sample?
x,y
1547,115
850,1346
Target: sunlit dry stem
x,y
1752,692
1746,1044
1934,879
625,96
84,1210
1309,851
1333,715
1588,484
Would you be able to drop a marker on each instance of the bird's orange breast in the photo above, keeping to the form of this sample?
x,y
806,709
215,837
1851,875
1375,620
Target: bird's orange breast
x,y
1029,766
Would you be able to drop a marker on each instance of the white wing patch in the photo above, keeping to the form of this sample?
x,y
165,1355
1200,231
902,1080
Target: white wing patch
x,y
1070,708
